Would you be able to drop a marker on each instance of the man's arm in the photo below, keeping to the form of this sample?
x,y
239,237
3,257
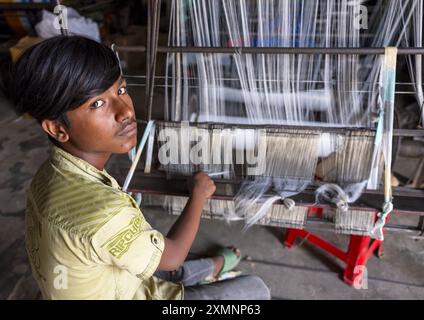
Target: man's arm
x,y
181,235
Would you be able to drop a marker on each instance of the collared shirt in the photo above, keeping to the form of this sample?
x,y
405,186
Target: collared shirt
x,y
87,239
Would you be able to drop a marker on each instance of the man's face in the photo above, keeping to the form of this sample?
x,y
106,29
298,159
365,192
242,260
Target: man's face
x,y
104,124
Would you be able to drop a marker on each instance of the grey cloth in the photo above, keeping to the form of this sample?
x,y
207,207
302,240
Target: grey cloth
x,y
192,272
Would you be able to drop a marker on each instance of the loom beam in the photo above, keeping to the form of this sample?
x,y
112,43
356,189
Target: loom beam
x,y
157,183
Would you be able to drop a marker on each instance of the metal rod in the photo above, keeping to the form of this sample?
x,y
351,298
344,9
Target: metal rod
x,y
277,50
148,51
267,126
156,6
137,48
26,6
408,132
396,132
177,111
357,91
269,80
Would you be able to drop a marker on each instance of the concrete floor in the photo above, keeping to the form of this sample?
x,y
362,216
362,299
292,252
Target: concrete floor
x,y
302,272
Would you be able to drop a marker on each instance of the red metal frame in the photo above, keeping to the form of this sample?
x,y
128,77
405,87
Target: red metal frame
x,y
356,257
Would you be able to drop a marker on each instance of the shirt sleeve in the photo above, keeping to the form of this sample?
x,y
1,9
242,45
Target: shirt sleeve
x,y
129,242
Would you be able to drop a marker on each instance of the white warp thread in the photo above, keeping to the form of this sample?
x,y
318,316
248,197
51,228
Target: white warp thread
x,y
333,193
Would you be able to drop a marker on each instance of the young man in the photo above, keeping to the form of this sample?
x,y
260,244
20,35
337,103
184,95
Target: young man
x,y
86,239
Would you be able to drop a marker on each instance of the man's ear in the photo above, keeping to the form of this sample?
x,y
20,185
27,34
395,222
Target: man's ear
x,y
56,130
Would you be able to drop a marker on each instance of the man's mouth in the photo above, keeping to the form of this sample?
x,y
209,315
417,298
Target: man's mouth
x,y
128,130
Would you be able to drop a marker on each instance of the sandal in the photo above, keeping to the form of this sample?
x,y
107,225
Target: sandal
x,y
231,260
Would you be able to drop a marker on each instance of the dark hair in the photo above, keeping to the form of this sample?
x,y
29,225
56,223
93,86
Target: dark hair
x,y
60,74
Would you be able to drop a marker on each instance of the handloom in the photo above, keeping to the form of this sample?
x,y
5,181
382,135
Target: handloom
x,y
326,115
285,90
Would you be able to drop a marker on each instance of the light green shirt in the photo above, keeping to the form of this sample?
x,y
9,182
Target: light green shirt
x,y
86,239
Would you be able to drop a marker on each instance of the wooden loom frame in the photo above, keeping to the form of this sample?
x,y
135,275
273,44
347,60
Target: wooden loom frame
x,y
360,247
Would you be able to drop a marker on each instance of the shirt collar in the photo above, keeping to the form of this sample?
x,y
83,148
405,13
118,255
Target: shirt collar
x,y
66,161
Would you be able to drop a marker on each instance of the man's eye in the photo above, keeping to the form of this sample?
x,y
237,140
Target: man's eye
x,y
122,90
97,104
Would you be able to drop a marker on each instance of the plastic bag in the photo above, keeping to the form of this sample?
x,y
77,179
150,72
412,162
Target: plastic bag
x,y
72,21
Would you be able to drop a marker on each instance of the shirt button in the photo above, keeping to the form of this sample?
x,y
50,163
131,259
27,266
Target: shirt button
x,y
155,240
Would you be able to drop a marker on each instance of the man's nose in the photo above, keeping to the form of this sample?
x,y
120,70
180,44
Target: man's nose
x,y
124,111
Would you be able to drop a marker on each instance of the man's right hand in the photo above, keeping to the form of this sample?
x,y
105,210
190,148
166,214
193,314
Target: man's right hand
x,y
202,186
181,236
